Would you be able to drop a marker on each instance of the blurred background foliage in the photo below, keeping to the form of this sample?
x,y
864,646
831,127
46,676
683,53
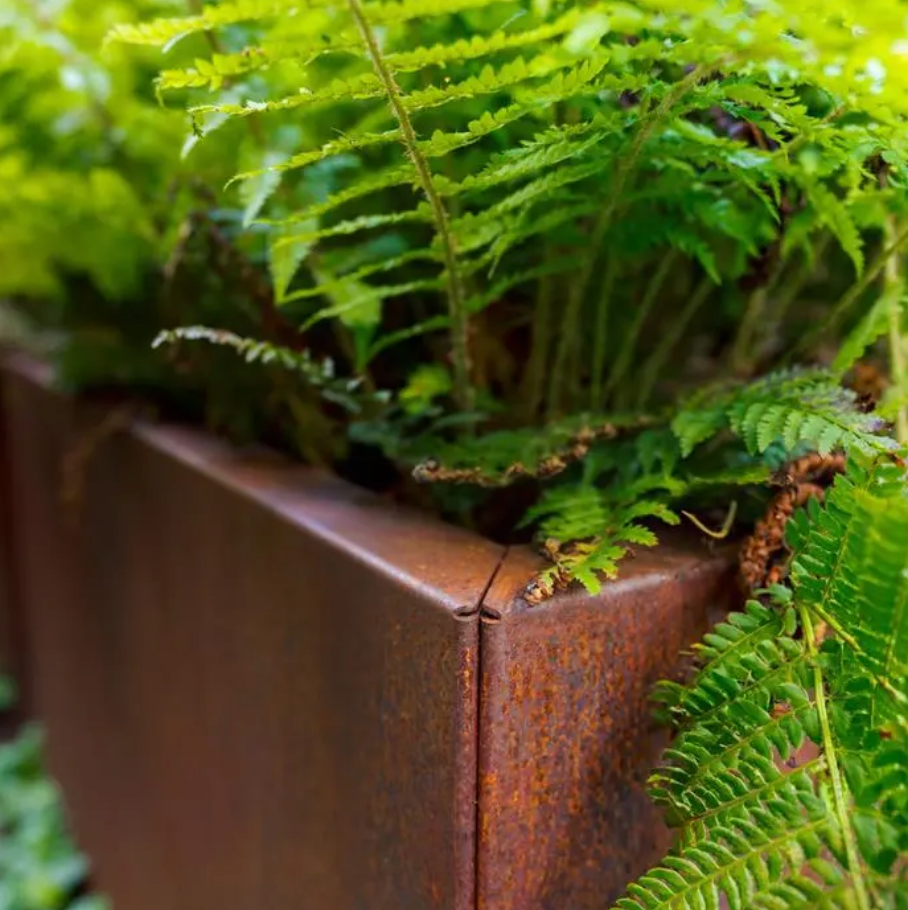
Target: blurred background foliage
x,y
40,867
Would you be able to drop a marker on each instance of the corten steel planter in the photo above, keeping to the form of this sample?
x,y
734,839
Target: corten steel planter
x,y
265,688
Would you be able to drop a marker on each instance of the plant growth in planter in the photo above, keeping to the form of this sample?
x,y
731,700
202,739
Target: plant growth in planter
x,y
40,868
562,270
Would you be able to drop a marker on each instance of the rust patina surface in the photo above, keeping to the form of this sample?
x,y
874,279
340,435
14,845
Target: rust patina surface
x,y
566,732
266,688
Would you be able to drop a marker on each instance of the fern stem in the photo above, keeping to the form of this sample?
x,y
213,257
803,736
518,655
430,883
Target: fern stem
x,y
463,389
606,216
626,167
790,292
540,344
197,8
567,343
742,354
835,775
669,338
851,296
894,282
600,334
629,343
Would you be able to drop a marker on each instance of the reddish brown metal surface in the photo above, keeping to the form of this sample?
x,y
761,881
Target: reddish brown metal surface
x,y
566,736
257,691
267,689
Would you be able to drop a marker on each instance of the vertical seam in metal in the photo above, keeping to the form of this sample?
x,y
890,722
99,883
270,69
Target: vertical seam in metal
x,y
480,711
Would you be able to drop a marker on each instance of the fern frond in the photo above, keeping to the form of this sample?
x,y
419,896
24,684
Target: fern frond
x,y
330,149
850,570
489,82
479,46
355,226
211,74
767,864
732,747
361,88
557,144
873,325
364,185
437,145
590,529
320,375
808,409
326,286
823,827
164,32
362,300
500,458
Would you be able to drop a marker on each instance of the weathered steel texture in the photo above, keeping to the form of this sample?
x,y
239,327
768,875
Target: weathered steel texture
x,y
257,689
566,735
265,688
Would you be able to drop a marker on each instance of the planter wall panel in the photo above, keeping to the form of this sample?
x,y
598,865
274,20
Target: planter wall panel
x,y
245,708
266,688
568,738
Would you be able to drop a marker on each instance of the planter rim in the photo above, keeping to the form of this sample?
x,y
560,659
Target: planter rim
x,y
454,568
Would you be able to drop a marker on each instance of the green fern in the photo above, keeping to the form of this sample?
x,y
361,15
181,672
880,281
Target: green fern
x,y
592,202
589,530
485,141
319,375
802,409
765,822
639,468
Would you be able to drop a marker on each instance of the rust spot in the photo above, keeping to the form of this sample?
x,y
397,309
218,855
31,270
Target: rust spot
x,y
566,736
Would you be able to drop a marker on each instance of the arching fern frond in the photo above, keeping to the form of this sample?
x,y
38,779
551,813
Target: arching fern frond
x,y
321,375
801,408
498,459
588,530
786,778
850,571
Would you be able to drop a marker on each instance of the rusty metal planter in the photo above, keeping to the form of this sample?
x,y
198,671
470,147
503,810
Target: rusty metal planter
x,y
265,688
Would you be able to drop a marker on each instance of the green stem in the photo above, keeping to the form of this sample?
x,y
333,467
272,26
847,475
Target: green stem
x,y
625,168
650,371
567,343
463,389
629,343
793,288
832,763
600,334
540,344
197,8
853,294
742,354
627,165
894,282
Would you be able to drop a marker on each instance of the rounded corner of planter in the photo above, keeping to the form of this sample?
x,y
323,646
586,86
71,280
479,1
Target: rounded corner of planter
x,y
682,567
